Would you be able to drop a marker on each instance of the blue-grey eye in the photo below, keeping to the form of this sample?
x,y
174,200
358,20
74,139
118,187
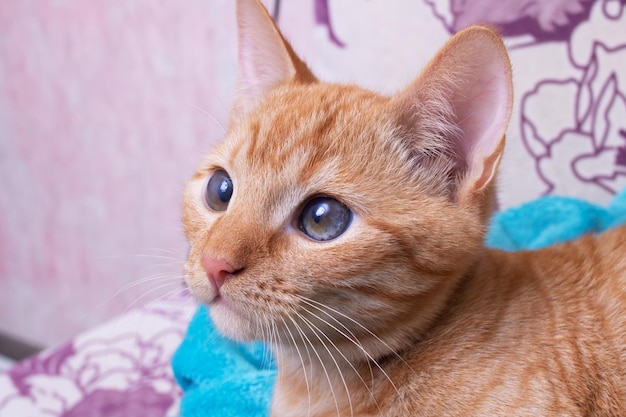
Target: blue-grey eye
x,y
324,218
219,190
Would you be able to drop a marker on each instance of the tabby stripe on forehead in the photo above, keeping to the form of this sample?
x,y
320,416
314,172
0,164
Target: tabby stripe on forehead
x,y
296,146
316,158
252,140
314,164
235,149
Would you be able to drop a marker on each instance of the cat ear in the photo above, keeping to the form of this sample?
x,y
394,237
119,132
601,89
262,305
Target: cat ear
x,y
462,102
265,58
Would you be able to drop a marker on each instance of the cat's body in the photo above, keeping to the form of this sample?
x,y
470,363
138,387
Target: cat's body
x,y
346,229
526,334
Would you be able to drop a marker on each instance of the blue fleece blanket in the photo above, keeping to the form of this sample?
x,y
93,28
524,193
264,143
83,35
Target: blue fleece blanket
x,y
223,378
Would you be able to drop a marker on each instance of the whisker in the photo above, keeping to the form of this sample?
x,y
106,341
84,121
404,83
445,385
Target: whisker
x,y
319,358
356,343
261,329
152,290
163,250
271,330
321,305
138,324
153,277
306,378
353,338
141,281
308,352
317,332
395,388
143,255
210,116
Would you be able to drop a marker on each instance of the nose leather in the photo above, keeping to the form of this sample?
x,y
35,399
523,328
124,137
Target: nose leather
x,y
218,271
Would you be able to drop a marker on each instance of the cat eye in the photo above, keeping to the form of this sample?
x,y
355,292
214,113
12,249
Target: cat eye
x,y
324,218
219,190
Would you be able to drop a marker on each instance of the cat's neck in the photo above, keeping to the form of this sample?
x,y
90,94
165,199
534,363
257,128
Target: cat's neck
x,y
323,373
321,383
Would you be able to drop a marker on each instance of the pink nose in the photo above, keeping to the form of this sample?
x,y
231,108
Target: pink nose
x,y
217,270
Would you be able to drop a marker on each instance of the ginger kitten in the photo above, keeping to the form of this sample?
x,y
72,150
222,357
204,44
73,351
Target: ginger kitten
x,y
346,229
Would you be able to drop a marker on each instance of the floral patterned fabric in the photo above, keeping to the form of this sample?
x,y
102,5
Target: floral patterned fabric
x,y
119,369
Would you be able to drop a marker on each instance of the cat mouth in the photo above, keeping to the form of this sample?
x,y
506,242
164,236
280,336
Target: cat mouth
x,y
217,300
220,302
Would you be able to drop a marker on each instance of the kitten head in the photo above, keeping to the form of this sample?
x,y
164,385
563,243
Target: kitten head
x,y
329,209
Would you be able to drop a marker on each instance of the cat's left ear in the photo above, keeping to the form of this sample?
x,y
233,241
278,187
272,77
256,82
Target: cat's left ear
x,y
463,100
265,58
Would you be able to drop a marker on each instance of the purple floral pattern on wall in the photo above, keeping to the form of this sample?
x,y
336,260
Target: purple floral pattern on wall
x,y
544,20
574,128
322,18
587,143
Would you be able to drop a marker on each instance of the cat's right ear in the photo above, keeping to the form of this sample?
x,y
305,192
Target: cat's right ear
x,y
265,58
458,109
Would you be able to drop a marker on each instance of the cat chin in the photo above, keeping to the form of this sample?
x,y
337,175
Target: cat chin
x,y
230,322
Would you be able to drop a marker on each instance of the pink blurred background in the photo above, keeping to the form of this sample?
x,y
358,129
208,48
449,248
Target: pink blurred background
x,y
105,107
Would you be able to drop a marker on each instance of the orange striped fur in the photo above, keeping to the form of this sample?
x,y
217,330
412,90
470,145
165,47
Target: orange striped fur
x,y
406,313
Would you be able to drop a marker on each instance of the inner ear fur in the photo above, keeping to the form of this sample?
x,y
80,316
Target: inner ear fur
x,y
459,107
